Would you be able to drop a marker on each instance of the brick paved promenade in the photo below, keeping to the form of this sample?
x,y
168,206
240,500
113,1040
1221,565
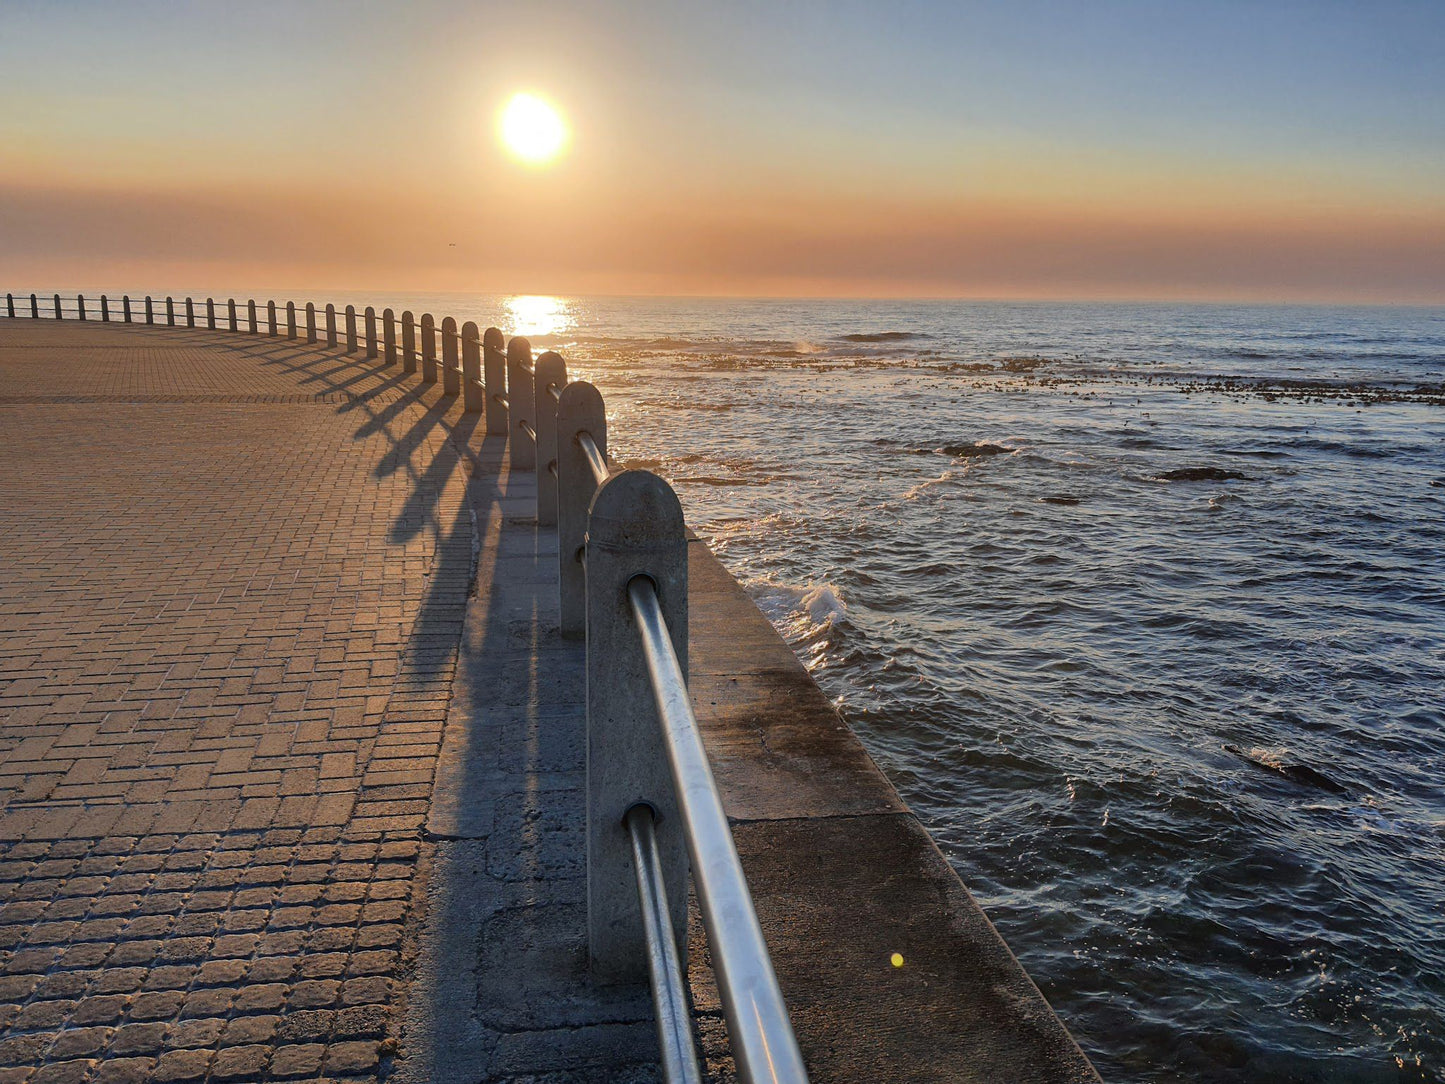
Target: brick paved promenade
x,y
233,573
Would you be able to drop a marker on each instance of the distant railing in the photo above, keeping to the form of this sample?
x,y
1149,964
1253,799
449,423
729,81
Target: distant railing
x,y
652,802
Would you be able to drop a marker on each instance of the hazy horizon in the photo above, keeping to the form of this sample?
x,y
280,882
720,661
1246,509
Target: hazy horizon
x,y
1036,151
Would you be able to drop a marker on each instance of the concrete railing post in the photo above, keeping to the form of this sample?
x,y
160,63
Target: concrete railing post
x,y
388,336
150,314
494,362
271,318
408,342
580,411
331,325
290,319
211,313
104,309
251,316
310,321
474,390
351,329
519,402
370,332
551,373
190,313
451,381
80,306
35,308
10,306
428,349
125,307
57,308
231,320
635,529
170,312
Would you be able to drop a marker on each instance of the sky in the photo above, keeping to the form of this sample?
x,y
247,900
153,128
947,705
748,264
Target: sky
x,y
1211,150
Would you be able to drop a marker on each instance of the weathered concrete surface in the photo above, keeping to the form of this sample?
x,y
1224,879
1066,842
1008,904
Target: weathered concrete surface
x,y
502,990
232,577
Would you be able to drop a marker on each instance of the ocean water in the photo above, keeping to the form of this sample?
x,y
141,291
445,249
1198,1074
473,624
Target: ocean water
x,y
1141,607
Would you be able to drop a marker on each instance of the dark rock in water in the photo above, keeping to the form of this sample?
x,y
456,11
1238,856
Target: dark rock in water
x,y
1438,483
1297,773
970,451
1060,500
1203,474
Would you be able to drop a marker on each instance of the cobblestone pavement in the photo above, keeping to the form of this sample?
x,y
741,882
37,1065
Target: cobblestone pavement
x,y
233,572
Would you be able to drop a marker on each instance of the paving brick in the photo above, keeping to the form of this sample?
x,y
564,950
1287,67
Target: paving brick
x,y
193,880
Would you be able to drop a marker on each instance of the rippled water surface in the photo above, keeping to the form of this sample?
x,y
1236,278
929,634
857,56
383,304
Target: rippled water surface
x,y
1141,607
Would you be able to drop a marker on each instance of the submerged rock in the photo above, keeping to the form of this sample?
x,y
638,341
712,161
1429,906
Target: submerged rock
x,y
1203,474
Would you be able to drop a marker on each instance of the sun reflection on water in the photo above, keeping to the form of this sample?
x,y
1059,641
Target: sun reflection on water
x,y
538,314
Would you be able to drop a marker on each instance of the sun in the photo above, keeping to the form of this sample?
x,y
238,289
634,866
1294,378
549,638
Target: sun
x,y
532,129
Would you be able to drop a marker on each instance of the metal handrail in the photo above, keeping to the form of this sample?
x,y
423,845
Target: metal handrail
x,y
664,966
763,1043
595,458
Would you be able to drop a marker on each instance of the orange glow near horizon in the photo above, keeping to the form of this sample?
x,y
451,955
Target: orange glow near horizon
x,y
598,149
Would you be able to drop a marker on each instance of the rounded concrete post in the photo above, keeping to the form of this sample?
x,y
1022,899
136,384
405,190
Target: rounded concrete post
x,y
580,411
519,403
635,528
551,373
190,313
251,316
80,306
370,332
231,320
271,318
494,365
170,312
351,329
388,336
331,325
35,308
104,309
57,308
408,342
10,306
211,313
474,390
124,305
451,382
150,313
310,322
428,349
290,319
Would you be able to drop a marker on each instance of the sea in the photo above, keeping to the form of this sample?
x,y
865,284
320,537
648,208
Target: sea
x,y
1140,606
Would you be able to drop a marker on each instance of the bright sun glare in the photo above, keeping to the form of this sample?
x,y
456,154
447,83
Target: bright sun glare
x,y
532,129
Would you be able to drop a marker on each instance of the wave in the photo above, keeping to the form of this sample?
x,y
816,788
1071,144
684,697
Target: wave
x,y
883,337
805,615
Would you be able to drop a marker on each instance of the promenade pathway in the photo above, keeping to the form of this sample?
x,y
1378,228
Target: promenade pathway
x,y
233,572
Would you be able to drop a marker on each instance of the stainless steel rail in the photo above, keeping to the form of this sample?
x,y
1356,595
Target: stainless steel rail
x,y
764,1046
664,966
595,458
